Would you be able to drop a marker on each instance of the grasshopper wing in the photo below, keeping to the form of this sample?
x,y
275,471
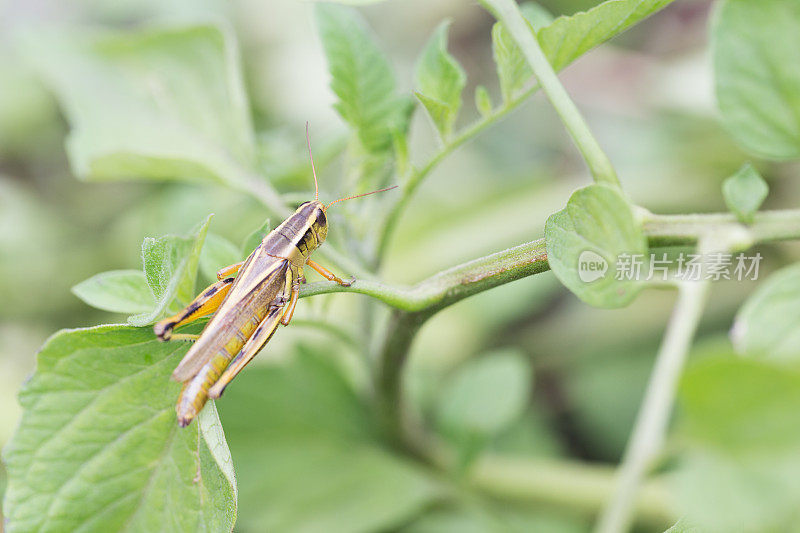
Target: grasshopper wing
x,y
251,293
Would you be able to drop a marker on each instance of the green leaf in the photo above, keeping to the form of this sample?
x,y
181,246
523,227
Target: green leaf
x,y
485,395
164,103
400,145
328,486
744,192
513,70
682,527
27,111
741,405
361,78
254,239
217,252
757,74
536,14
740,463
309,456
768,324
592,242
439,81
98,447
569,37
564,39
483,102
170,266
442,115
531,435
118,291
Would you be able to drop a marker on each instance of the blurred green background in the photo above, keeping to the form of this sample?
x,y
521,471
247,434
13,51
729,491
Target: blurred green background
x,y
648,96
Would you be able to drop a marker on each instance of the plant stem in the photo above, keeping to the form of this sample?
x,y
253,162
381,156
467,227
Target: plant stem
x,y
451,285
401,331
508,13
651,422
666,230
565,484
530,258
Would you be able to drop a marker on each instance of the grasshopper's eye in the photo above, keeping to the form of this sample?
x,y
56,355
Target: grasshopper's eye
x,y
322,220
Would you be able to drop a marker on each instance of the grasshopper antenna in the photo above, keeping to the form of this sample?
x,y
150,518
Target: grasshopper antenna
x,y
358,196
313,170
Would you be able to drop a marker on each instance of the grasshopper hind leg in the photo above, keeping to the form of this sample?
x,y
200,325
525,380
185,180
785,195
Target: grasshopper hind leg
x,y
184,337
206,303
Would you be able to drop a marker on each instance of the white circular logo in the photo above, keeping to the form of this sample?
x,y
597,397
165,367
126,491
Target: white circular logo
x,y
591,266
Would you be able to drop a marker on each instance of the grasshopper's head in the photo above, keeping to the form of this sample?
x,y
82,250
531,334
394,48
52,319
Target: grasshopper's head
x,y
314,212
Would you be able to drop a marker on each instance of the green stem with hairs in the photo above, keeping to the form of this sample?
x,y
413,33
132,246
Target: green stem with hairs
x,y
481,274
767,226
449,286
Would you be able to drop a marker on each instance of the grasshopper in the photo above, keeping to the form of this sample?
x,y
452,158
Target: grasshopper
x,y
248,302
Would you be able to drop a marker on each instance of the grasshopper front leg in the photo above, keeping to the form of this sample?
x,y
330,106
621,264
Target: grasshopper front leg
x,y
295,295
327,274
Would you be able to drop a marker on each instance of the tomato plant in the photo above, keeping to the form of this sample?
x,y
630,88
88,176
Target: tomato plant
x,y
479,398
